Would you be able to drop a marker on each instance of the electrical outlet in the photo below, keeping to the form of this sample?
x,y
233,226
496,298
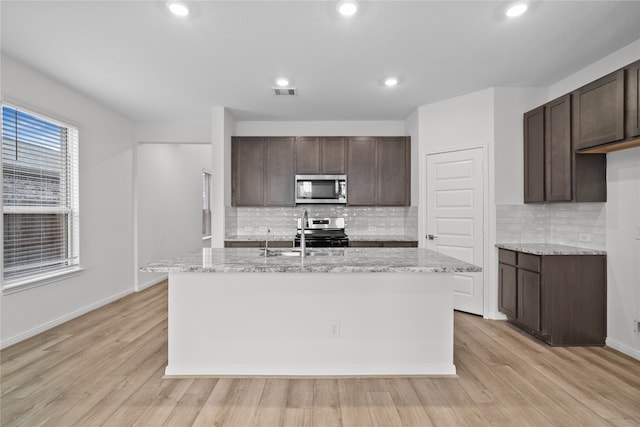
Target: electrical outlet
x,y
334,328
585,237
636,326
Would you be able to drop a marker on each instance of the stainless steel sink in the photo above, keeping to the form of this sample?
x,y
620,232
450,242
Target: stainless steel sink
x,y
296,252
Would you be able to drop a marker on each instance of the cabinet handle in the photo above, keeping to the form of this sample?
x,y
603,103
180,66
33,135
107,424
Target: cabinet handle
x,y
431,237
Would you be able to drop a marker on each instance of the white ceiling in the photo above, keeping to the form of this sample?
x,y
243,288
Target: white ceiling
x,y
149,65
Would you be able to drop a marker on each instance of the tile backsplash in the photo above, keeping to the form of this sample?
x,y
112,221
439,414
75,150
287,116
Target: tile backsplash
x,y
574,224
359,221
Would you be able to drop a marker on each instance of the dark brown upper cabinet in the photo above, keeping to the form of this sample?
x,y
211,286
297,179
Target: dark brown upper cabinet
x,y
323,155
361,171
557,150
263,171
247,171
378,171
279,172
393,171
633,99
599,111
534,156
553,172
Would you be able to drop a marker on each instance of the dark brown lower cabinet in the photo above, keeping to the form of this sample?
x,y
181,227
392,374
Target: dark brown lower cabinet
x,y
560,299
258,243
383,243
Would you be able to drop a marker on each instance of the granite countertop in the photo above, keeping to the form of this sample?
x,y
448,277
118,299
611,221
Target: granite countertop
x,y
549,249
353,260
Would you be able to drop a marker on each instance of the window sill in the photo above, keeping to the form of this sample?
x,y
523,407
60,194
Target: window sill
x,y
37,281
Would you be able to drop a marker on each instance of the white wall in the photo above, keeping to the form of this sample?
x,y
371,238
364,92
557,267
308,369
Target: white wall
x,y
169,179
463,122
190,131
622,212
106,207
222,129
509,105
412,129
321,128
623,249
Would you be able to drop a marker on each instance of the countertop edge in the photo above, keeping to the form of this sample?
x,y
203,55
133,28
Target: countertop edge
x,y
549,249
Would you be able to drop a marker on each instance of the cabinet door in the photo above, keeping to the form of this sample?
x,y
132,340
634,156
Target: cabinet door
x,y
247,158
507,290
529,299
392,172
534,156
280,172
308,155
599,110
633,100
557,149
361,170
334,155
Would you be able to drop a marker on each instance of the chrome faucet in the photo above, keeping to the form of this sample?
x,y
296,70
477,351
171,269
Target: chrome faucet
x,y
266,243
303,228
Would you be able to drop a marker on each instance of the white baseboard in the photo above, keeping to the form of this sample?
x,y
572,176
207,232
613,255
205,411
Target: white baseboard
x,y
311,370
623,348
495,316
154,281
60,320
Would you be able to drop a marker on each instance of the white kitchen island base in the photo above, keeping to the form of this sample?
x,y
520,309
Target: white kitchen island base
x,y
310,324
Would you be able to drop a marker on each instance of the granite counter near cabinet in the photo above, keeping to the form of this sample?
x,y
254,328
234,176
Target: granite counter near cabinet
x,y
554,292
549,249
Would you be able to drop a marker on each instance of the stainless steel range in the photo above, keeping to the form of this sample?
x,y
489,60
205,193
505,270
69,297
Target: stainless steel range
x,y
323,233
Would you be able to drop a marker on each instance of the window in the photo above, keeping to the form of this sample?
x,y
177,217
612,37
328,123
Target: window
x,y
40,197
206,205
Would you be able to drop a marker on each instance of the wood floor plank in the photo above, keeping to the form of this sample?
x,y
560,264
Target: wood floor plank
x,y
408,403
382,409
163,403
299,410
270,410
353,403
106,368
215,409
190,405
326,403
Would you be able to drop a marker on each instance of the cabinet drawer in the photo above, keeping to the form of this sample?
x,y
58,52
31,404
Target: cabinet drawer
x,y
529,262
507,257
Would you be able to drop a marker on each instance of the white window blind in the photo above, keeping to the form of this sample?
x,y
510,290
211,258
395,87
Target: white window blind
x,y
40,196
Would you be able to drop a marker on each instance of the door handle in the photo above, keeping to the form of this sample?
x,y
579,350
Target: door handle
x,y
431,237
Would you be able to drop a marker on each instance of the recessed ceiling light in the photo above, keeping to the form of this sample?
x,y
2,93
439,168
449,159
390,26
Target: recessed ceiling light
x,y
282,82
390,81
347,8
178,9
516,10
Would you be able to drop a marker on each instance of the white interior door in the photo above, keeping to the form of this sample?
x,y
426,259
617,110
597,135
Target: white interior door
x,y
455,218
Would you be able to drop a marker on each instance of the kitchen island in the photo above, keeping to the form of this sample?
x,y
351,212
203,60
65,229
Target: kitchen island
x,y
337,312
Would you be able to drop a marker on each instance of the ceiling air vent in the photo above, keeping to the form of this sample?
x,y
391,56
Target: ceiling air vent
x,y
286,91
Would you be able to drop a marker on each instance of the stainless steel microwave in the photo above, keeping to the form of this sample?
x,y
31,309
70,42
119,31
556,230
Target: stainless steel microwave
x,y
321,189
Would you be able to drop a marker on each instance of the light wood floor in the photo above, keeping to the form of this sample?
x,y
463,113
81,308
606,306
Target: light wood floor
x,y
106,368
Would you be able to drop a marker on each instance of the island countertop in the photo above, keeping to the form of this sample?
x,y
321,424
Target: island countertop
x,y
347,260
